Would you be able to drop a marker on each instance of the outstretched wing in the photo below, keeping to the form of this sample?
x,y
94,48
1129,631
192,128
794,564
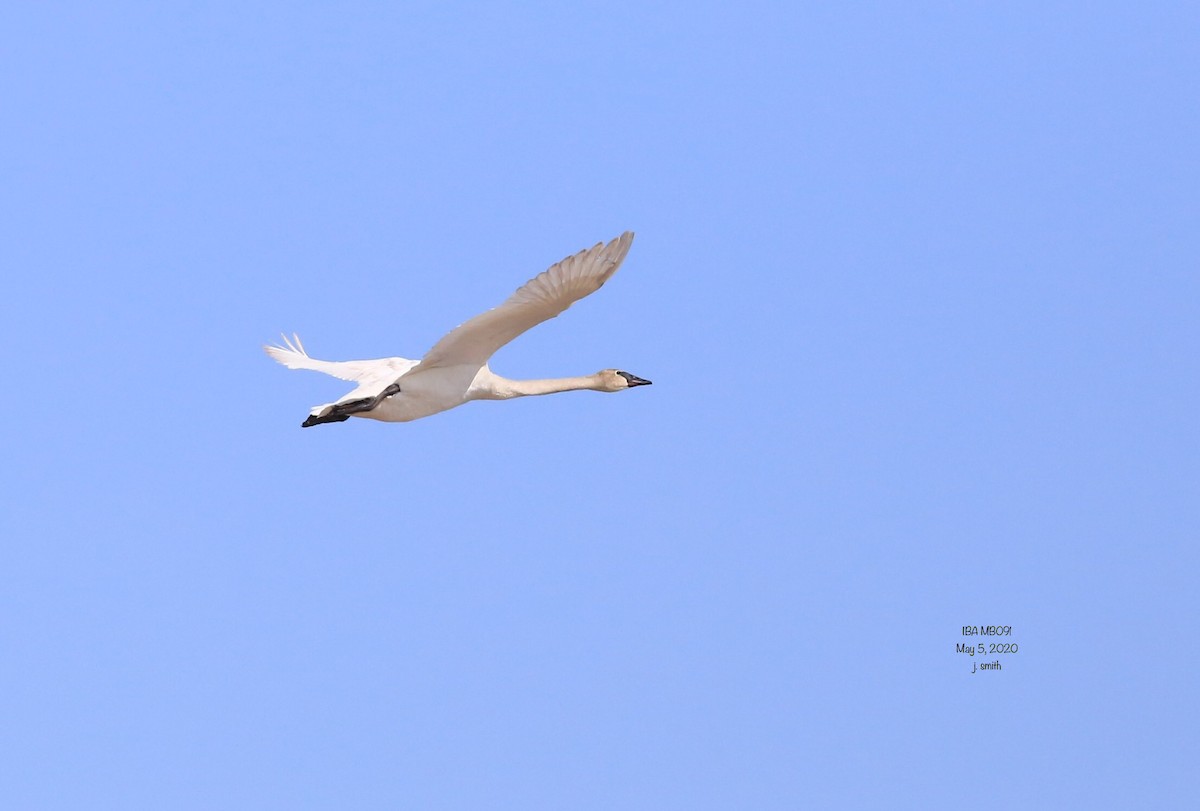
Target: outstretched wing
x,y
364,372
540,299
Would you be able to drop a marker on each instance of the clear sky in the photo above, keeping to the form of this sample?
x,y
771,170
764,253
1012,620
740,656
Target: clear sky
x,y
917,287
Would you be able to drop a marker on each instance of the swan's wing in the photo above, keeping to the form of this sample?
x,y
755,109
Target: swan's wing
x,y
365,372
540,299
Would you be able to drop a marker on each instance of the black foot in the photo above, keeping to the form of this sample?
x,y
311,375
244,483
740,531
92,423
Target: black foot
x,y
342,411
311,421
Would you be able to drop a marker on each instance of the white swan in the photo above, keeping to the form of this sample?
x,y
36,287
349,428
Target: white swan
x,y
456,370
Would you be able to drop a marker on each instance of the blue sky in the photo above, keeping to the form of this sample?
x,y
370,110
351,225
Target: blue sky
x,y
916,285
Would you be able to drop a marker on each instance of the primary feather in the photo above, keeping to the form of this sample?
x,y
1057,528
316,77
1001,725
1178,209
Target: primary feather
x,y
293,356
541,298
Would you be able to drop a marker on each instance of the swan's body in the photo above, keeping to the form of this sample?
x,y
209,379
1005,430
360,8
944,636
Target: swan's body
x,y
455,370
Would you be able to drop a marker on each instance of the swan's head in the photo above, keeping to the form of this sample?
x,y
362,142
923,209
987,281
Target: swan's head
x,y
615,380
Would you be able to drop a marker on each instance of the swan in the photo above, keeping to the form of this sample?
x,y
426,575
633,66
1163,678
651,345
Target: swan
x,y
455,370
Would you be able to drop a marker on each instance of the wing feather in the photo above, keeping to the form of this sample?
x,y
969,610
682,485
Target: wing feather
x,y
541,298
363,372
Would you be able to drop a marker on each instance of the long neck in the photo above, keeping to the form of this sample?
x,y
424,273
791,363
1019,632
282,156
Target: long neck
x,y
525,388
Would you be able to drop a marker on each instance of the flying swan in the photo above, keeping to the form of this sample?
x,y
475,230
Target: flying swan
x,y
455,370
